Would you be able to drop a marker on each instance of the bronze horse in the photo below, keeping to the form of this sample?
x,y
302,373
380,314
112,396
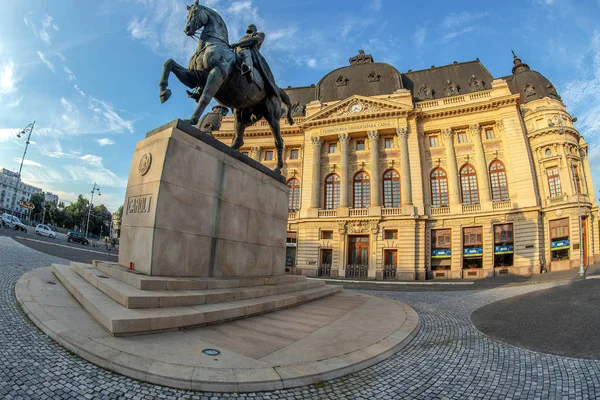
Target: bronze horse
x,y
215,70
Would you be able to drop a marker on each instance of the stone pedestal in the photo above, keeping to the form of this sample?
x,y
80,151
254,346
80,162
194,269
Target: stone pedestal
x,y
196,208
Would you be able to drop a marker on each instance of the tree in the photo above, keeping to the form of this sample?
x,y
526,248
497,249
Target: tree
x,y
38,201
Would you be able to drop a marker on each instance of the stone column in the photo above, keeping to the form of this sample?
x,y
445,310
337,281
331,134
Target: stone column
x,y
480,164
452,170
255,153
375,175
405,185
344,140
316,172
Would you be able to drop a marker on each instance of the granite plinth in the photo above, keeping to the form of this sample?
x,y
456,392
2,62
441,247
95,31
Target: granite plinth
x,y
196,208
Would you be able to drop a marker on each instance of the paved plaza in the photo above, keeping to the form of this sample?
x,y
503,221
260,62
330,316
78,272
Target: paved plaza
x,y
448,358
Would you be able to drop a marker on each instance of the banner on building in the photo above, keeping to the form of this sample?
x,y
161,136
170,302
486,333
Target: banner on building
x,y
26,204
560,244
506,249
473,252
441,253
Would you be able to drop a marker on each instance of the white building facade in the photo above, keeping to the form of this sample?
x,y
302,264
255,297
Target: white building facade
x,y
10,195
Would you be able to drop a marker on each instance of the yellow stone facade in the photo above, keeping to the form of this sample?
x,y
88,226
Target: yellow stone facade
x,y
376,134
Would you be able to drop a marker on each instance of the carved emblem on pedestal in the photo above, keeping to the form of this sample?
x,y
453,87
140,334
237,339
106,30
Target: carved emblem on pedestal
x,y
145,164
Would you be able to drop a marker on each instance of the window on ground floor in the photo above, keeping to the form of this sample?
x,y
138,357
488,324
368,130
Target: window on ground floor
x,y
503,245
559,239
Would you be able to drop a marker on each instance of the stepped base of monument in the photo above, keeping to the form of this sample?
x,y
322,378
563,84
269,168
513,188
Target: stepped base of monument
x,y
106,293
309,343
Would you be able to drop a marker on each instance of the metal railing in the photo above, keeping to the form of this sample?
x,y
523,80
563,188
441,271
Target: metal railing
x,y
292,214
324,270
389,271
357,270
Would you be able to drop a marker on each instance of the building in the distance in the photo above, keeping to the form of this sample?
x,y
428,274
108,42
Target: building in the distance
x,y
51,197
10,195
441,173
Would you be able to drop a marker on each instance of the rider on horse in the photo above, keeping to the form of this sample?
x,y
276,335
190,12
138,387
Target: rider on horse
x,y
252,39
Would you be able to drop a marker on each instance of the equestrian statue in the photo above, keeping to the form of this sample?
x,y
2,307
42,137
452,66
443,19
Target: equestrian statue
x,y
236,75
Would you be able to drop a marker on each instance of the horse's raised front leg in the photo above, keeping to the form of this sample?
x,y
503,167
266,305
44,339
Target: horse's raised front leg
x,y
215,79
239,126
184,75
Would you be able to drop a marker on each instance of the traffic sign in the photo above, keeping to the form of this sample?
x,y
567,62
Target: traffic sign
x,y
26,204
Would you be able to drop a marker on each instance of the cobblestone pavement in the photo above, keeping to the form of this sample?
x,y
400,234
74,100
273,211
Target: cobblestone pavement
x,y
448,358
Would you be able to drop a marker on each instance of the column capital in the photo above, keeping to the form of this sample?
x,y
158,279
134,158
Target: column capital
x,y
475,129
343,137
447,132
402,132
500,124
316,140
255,149
373,135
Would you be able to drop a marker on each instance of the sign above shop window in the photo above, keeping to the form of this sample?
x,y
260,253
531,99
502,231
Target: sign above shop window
x,y
560,244
473,252
506,249
441,253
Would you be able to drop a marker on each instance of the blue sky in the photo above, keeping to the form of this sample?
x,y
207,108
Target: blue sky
x,y
88,71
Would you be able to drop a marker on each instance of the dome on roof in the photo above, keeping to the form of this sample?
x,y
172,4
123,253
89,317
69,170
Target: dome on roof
x,y
531,85
362,77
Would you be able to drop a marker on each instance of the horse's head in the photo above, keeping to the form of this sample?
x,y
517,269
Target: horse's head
x,y
196,19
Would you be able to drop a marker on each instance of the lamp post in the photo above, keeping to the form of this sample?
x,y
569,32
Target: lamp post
x,y
27,130
87,225
559,120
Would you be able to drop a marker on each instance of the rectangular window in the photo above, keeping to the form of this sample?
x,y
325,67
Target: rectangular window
x,y
503,245
390,233
294,154
462,137
559,239
473,247
269,155
360,144
326,234
441,249
554,182
489,133
433,141
332,147
389,143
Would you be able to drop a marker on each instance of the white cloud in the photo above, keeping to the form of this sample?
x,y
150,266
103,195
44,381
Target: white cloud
x,y
8,80
105,142
460,19
311,63
94,171
376,5
45,61
47,26
27,162
70,75
420,36
8,134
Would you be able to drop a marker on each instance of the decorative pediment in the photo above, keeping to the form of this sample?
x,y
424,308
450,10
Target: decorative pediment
x,y
356,106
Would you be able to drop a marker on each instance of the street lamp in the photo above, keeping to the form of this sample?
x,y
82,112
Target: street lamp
x,y
96,187
27,130
559,120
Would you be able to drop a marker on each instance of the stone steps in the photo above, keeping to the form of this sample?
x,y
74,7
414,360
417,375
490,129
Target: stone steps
x,y
132,297
145,282
122,321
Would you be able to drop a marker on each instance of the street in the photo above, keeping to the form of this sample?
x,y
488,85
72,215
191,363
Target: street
x,y
59,247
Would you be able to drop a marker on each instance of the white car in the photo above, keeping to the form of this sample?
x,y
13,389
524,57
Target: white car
x,y
44,230
10,221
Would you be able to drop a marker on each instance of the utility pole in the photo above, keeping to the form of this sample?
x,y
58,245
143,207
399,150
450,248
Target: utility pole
x,y
87,225
28,129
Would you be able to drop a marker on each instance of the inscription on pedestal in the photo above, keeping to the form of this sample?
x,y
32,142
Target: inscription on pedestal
x,y
139,204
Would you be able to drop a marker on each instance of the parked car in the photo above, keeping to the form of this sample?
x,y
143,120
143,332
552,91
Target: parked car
x,y
77,237
10,221
44,230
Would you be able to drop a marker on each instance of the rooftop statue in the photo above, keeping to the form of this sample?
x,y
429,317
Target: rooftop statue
x,y
237,76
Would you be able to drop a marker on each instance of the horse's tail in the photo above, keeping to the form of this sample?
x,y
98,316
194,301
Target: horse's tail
x,y
288,104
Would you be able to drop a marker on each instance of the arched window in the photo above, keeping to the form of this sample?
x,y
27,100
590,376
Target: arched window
x,y
293,194
468,185
391,189
498,180
439,188
362,190
332,192
554,182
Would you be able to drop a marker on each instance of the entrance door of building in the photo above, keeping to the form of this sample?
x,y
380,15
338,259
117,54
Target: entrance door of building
x,y
358,257
325,265
390,262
